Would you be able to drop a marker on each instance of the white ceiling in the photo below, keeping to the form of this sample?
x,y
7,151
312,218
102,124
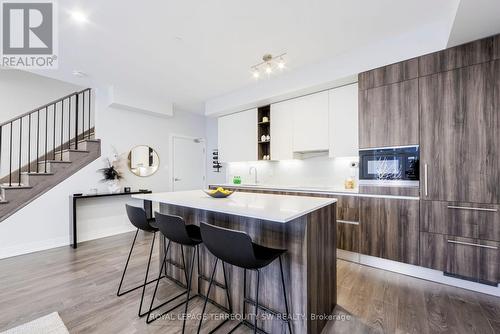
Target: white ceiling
x,y
188,52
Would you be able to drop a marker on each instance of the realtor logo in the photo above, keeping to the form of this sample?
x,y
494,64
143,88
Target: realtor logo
x,y
28,34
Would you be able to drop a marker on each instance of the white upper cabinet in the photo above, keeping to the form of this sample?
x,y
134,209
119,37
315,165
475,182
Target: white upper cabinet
x,y
282,130
237,136
310,123
344,121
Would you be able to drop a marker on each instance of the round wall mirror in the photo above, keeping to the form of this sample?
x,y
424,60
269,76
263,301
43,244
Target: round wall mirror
x,y
143,161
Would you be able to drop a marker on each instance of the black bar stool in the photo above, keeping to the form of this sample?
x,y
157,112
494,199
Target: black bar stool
x,y
138,218
177,231
237,249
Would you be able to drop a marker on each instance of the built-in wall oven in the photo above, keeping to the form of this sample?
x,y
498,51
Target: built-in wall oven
x,y
389,165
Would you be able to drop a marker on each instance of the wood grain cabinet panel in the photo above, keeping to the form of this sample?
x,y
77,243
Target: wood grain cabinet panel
x,y
473,259
390,228
473,53
388,115
433,250
389,74
469,220
348,223
460,134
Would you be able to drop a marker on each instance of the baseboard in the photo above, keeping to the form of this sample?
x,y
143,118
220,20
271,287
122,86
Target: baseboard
x,y
33,247
42,245
416,271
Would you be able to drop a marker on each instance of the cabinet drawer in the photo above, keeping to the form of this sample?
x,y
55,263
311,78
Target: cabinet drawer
x,y
468,220
472,259
348,208
348,235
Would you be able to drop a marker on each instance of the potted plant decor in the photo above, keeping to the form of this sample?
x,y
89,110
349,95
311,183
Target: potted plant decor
x,y
111,176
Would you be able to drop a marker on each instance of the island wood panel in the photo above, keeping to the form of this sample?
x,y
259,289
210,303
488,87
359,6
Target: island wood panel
x,y
460,134
389,74
388,115
472,53
309,264
390,228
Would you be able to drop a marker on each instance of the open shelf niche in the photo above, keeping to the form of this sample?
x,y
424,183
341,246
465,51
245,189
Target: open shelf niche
x,y
264,129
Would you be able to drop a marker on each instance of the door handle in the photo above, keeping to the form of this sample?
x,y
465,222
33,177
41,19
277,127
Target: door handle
x,y
471,208
176,179
426,185
470,244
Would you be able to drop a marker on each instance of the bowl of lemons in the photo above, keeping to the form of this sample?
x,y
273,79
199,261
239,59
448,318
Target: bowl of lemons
x,y
218,193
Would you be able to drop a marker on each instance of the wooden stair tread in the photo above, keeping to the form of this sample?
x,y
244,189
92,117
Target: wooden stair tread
x,y
14,186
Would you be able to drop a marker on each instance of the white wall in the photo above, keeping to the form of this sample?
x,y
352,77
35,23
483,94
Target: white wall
x,y
212,140
313,172
44,223
22,91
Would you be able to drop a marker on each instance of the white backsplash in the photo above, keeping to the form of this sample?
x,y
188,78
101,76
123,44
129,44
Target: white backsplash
x,y
313,172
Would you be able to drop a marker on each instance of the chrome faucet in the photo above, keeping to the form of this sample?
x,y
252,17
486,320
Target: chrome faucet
x,y
250,173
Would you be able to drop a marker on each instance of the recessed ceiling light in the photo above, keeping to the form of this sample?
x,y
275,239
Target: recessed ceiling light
x,y
79,74
79,16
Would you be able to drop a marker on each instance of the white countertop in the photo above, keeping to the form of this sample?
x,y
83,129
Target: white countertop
x,y
277,208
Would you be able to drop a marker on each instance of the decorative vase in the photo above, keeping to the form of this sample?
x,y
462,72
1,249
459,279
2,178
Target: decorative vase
x,y
113,186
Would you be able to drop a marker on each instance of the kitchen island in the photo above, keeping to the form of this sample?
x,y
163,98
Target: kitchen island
x,y
305,226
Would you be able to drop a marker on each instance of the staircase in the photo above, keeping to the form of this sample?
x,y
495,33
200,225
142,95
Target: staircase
x,y
43,147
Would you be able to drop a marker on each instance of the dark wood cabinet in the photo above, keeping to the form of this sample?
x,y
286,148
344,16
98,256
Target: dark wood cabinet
x,y
460,134
468,220
473,53
433,251
468,258
472,259
390,228
348,223
389,74
388,115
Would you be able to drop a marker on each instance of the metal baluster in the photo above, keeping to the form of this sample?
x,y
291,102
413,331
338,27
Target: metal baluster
x,y
46,134
1,128
20,149
29,143
38,141
69,123
90,107
10,157
76,121
54,108
62,128
83,115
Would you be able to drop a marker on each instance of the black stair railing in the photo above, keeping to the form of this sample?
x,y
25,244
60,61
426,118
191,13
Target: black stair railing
x,y
39,135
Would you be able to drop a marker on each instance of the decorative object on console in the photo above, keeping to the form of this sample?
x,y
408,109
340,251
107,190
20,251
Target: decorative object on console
x,y
143,161
111,177
126,189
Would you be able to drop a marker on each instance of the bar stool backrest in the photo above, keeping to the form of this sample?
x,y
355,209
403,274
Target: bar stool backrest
x,y
233,247
138,218
173,228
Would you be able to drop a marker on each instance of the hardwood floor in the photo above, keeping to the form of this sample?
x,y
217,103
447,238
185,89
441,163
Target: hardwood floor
x,y
81,285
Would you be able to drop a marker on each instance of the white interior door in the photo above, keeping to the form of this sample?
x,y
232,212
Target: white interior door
x,y
188,160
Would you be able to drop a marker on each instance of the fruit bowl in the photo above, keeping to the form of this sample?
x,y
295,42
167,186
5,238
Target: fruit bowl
x,y
218,193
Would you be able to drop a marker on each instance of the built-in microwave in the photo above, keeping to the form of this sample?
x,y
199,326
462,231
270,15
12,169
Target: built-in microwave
x,y
389,164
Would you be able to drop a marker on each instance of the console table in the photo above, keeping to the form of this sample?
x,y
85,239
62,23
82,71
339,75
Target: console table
x,y
74,198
